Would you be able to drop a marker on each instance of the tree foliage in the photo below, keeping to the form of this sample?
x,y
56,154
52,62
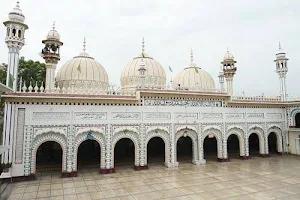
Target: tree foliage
x,y
29,70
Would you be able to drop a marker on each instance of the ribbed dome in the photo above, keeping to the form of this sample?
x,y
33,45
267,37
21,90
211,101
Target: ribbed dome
x,y
155,76
16,14
53,35
194,78
82,74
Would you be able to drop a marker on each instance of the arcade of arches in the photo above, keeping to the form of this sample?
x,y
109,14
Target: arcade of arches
x,y
49,154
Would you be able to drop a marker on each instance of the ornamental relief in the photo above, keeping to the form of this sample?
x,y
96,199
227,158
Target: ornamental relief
x,y
125,129
157,115
126,115
234,115
99,129
211,115
274,116
90,116
186,116
179,127
179,102
46,130
255,115
50,116
157,129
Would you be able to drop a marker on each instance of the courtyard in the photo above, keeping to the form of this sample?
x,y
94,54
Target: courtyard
x,y
275,177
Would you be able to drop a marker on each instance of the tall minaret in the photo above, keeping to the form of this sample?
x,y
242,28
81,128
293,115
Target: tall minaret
x,y
282,69
142,68
15,41
221,79
229,70
51,54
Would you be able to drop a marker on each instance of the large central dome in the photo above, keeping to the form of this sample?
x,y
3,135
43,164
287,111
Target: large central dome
x,y
155,76
82,74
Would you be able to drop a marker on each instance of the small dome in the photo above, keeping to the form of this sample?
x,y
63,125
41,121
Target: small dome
x,y
228,56
194,78
53,35
82,74
16,14
155,75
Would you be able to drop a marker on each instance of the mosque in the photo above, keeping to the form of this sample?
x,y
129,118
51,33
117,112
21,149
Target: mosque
x,y
76,119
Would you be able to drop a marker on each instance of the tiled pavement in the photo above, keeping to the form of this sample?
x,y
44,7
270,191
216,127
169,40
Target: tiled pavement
x,y
277,177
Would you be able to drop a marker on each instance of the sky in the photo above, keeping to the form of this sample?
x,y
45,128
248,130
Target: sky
x,y
250,29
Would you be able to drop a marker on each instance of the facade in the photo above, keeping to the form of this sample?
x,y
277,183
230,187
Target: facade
x,y
79,105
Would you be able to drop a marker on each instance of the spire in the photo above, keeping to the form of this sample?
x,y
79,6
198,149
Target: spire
x,y
84,44
143,45
280,46
192,56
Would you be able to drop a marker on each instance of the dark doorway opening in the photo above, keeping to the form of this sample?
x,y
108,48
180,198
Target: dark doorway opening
x,y
253,145
272,143
297,120
49,157
88,155
184,149
210,148
124,152
233,146
156,150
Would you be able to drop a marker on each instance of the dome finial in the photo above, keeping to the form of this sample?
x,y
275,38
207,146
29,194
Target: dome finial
x,y
18,4
280,46
53,26
143,45
192,56
84,44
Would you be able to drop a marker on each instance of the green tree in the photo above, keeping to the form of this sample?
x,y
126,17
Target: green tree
x,y
29,70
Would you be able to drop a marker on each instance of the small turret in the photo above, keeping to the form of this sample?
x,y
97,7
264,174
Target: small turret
x,y
229,70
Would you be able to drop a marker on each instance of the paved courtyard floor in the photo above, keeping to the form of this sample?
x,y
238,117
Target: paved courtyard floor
x,y
277,177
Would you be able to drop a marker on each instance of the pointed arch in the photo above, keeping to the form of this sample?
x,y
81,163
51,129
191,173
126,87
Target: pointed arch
x,y
81,137
240,134
164,135
217,134
277,130
193,135
260,133
48,137
133,136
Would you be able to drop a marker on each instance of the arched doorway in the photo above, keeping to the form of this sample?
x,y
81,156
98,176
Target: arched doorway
x,y
254,145
49,158
88,155
272,143
233,146
156,151
297,120
124,152
184,149
210,147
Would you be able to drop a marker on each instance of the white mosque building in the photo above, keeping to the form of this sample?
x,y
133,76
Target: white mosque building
x,y
77,119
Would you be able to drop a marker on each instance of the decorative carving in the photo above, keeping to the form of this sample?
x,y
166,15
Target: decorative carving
x,y
274,116
255,115
20,136
60,130
211,115
126,115
157,115
234,115
186,116
50,116
177,102
90,115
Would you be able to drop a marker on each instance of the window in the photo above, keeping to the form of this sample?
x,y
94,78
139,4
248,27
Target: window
x,y
14,32
20,34
297,120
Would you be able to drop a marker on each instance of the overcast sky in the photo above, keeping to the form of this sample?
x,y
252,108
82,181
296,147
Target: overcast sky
x,y
114,30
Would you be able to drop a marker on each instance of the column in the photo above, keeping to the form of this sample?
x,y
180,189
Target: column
x,y
143,160
70,152
200,145
27,150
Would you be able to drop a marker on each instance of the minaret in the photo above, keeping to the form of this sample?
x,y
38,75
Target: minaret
x,y
221,79
142,68
15,41
282,69
51,54
229,71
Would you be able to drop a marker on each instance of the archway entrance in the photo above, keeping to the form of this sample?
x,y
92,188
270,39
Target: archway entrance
x,y
88,155
253,145
124,152
233,146
156,151
297,120
49,158
184,149
210,148
272,143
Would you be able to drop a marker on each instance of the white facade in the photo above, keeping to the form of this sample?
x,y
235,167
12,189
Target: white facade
x,y
71,116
